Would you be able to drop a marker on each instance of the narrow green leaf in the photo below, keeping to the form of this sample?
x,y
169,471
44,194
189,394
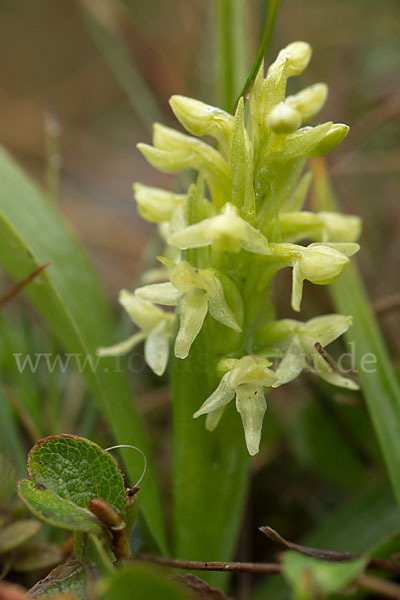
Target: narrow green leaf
x,y
375,372
11,440
71,301
105,33
273,6
231,48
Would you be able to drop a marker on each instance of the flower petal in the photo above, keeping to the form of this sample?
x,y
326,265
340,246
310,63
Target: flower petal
x,y
323,370
156,205
213,418
122,347
143,313
251,404
291,365
297,287
193,310
156,348
325,329
218,399
160,293
219,309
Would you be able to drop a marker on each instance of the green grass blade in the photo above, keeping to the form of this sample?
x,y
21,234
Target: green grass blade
x,y
11,440
70,299
231,48
273,6
378,380
104,31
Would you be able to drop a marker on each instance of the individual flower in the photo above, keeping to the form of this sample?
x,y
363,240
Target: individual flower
x,y
320,264
174,151
225,232
295,343
202,119
155,328
196,292
246,381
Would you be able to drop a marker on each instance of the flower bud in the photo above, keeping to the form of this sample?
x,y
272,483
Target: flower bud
x,y
202,119
332,138
299,55
175,151
155,205
321,265
283,119
309,101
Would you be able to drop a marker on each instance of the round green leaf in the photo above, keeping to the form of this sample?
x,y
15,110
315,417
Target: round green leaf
x,y
76,470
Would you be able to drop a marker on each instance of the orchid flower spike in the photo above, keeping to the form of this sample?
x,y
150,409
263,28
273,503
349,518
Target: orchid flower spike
x,y
227,235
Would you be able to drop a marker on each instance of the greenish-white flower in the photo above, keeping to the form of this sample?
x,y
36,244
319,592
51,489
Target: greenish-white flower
x,y
295,343
174,151
246,381
202,119
155,330
320,264
196,292
226,232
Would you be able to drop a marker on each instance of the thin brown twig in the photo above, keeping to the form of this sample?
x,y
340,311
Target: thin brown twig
x,y
379,564
376,585
327,358
21,284
196,565
385,589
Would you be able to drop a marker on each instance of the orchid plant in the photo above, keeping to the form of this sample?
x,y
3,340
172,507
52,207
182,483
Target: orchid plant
x,y
240,223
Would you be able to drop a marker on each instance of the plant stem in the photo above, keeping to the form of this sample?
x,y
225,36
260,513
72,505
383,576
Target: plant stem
x,y
210,468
